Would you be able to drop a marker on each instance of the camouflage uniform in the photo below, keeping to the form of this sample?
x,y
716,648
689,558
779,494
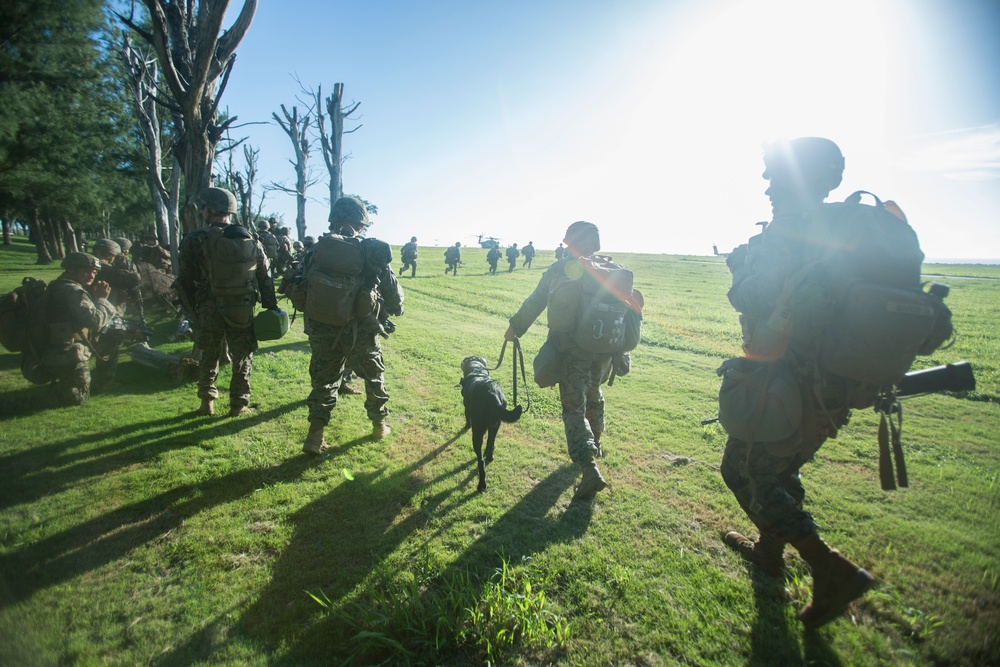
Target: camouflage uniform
x,y
123,278
409,255
355,346
212,323
73,316
583,372
766,484
493,256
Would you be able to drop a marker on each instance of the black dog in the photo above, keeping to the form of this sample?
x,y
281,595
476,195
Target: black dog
x,y
485,408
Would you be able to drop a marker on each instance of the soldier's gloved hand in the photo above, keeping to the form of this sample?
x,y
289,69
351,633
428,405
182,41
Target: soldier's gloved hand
x,y
509,335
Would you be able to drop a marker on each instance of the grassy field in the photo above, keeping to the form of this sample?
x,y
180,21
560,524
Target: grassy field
x,y
134,532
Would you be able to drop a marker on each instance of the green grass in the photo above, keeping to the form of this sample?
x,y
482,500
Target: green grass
x,y
134,532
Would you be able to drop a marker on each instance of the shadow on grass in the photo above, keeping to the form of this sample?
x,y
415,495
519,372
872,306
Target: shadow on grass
x,y
32,473
104,539
772,640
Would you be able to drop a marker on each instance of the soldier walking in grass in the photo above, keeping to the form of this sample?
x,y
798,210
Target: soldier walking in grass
x,y
348,291
493,256
73,315
224,272
409,255
529,254
582,372
453,257
512,254
764,476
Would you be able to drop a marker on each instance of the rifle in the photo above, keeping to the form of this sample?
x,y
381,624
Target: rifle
x,y
130,327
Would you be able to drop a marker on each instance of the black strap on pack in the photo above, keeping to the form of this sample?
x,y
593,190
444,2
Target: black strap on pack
x,y
890,430
518,357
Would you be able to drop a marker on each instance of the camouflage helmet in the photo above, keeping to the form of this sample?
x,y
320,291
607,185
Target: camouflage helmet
x,y
350,211
105,247
262,225
123,242
806,160
413,239
80,260
308,241
297,245
583,236
218,199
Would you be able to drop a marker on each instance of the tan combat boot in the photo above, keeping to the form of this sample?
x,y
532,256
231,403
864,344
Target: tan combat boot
x,y
380,429
315,444
836,582
590,483
207,407
239,411
766,553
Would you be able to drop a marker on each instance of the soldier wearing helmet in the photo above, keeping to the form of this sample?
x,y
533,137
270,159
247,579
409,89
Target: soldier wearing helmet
x,y
123,278
453,258
581,372
344,318
224,272
512,254
764,475
409,255
77,308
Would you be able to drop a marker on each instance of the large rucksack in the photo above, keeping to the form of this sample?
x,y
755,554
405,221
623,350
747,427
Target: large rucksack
x,y
595,302
231,266
861,311
270,245
23,326
333,279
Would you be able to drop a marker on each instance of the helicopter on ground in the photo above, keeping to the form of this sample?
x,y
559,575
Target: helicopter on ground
x,y
488,241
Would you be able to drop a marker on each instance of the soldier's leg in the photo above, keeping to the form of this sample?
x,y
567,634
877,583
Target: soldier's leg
x,y
71,370
106,365
366,360
326,370
413,273
600,370
211,336
242,345
574,388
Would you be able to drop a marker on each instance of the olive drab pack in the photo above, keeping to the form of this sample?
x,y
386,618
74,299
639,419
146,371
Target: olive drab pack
x,y
876,318
23,327
270,245
231,267
333,279
596,303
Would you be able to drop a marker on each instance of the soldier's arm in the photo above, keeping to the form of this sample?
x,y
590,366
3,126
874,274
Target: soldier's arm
x,y
759,279
264,281
391,292
534,304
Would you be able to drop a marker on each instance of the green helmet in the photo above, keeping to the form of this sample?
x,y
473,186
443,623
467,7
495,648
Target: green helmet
x,y
584,237
125,244
262,226
348,210
105,247
807,160
218,199
80,260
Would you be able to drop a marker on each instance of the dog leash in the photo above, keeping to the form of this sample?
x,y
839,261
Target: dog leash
x,y
518,356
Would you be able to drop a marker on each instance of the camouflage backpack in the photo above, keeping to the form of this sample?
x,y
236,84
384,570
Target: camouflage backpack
x,y
860,309
333,279
23,327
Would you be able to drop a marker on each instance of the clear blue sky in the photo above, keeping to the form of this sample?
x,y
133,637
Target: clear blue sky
x,y
514,118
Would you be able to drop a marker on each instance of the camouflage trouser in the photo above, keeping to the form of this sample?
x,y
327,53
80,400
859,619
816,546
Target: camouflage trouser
x,y
493,267
333,349
69,366
407,265
213,330
768,489
582,401
108,346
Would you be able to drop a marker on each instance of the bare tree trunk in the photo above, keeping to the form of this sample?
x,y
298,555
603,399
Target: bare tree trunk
x,y
173,217
332,144
297,130
68,237
6,229
195,61
36,231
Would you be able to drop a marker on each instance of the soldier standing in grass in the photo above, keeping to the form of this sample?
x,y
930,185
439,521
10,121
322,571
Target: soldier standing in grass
x,y
350,290
73,316
223,273
764,477
583,372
